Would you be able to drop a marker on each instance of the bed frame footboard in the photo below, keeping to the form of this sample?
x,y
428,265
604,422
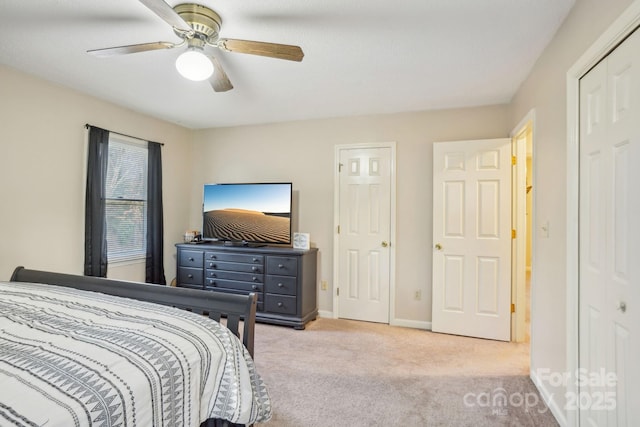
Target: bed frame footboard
x,y
235,308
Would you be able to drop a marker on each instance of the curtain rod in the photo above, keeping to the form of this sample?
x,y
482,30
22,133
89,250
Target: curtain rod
x,y
86,125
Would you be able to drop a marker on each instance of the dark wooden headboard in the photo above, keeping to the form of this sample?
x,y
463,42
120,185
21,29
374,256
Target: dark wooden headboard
x,y
238,309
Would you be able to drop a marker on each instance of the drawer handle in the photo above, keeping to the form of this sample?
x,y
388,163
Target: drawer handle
x,y
256,260
190,276
280,266
280,304
254,287
255,279
280,285
254,268
212,265
212,256
191,259
214,283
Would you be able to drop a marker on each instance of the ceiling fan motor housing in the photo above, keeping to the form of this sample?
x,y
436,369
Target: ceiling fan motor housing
x,y
204,21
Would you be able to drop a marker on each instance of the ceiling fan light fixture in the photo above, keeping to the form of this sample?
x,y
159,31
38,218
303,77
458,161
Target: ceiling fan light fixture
x,y
194,65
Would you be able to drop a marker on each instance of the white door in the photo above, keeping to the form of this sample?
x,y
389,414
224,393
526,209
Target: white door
x,y
609,290
364,233
472,238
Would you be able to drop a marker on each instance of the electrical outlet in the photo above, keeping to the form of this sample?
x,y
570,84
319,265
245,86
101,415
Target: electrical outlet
x,y
324,285
418,295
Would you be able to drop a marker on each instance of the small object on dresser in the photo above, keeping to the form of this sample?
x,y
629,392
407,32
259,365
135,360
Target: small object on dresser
x,y
301,241
191,236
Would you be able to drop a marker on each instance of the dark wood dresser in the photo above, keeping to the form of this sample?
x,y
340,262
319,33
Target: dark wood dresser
x,y
284,279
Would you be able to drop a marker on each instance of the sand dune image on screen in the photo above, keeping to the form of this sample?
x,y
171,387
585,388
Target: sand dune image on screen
x,y
241,224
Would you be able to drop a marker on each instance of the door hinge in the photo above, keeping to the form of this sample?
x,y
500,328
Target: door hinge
x,y
513,160
338,229
513,308
338,291
340,167
513,234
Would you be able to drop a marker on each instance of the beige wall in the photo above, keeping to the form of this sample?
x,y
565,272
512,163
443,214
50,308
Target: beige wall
x,y
42,162
43,143
303,152
545,91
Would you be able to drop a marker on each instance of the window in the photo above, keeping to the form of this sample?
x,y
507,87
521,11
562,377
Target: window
x,y
126,200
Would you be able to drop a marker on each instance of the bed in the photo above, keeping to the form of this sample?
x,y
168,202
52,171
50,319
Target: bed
x,y
87,351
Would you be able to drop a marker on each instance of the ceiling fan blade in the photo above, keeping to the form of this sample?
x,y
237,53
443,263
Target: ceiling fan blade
x,y
166,12
219,80
133,48
272,50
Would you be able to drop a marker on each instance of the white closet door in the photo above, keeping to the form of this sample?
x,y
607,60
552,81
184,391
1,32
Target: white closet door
x,y
610,239
365,230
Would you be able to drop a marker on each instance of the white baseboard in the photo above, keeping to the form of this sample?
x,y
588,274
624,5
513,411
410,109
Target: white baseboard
x,y
416,324
547,396
326,314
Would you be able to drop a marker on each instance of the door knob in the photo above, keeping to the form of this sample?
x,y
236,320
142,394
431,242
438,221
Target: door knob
x,y
385,244
622,306
438,246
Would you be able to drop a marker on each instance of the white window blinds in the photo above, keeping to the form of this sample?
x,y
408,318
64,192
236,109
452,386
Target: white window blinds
x,y
126,200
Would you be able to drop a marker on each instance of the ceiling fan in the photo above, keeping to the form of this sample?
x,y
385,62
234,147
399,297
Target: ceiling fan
x,y
199,27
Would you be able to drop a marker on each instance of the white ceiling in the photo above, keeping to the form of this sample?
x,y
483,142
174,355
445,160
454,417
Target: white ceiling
x,y
361,56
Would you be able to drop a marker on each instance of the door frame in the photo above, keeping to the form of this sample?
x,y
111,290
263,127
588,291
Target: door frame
x,y
519,261
392,227
608,40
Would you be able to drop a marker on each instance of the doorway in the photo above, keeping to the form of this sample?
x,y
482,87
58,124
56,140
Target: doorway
x,y
364,244
459,306
522,220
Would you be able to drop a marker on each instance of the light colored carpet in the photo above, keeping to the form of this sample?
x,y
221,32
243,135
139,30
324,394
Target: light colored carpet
x,y
348,373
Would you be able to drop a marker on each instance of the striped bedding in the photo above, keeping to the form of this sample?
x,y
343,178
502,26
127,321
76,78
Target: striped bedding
x,y
76,358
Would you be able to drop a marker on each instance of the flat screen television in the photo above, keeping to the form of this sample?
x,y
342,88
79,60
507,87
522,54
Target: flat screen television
x,y
247,214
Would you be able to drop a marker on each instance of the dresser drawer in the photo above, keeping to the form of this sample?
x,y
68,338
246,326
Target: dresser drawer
x,y
234,275
283,266
234,291
190,276
243,287
281,285
234,266
190,259
282,304
222,256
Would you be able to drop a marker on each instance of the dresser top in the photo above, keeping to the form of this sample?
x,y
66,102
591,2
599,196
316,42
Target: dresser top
x,y
275,250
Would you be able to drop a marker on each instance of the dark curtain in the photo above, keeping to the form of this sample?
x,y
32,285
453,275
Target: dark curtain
x,y
95,232
155,229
